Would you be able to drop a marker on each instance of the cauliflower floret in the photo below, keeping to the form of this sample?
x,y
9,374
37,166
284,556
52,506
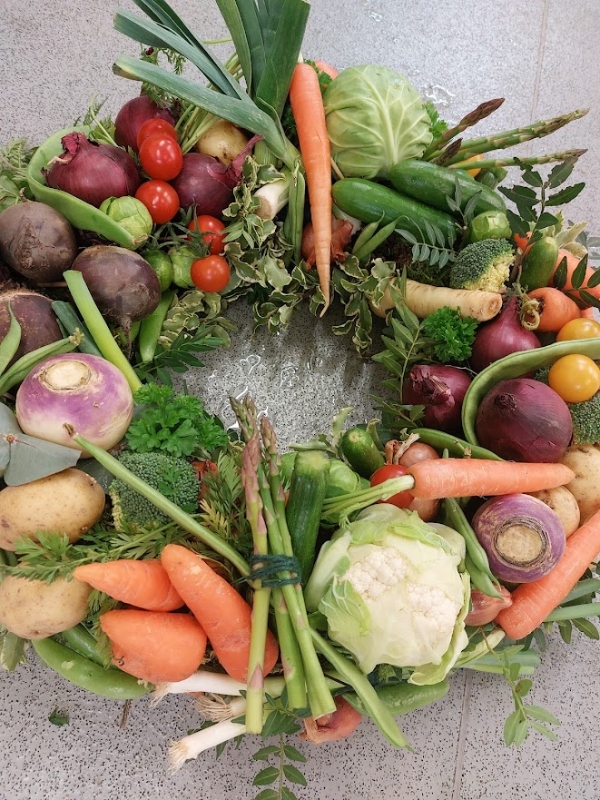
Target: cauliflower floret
x,y
439,610
380,570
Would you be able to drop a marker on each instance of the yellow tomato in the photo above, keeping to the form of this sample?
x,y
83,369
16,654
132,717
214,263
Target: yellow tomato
x,y
581,328
575,378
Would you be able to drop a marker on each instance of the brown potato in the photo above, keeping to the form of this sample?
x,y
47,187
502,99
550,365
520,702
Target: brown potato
x,y
36,609
584,460
223,140
564,505
68,502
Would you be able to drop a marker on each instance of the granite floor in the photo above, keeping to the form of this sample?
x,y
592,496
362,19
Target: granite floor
x,y
55,55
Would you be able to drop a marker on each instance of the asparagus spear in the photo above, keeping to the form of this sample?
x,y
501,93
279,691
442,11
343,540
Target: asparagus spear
x,y
515,161
482,111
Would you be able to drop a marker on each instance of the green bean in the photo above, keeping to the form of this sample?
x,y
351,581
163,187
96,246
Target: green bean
x,y
81,641
457,447
402,698
515,365
294,221
151,327
10,343
574,612
480,579
82,672
476,559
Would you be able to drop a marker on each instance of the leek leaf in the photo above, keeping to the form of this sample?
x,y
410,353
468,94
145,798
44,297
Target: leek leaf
x,y
245,29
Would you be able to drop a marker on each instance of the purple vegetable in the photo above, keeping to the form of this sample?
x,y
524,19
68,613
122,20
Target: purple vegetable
x,y
132,116
92,172
522,536
441,390
75,393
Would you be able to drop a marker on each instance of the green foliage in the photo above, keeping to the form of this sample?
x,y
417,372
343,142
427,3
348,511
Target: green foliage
x,y
14,158
173,423
483,265
437,125
452,336
173,476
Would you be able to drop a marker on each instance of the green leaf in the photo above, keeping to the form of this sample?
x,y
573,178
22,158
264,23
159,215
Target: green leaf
x,y
268,794
542,714
589,299
594,280
560,173
578,276
294,754
517,224
566,631
546,220
32,458
287,794
565,195
523,686
587,628
540,728
266,776
58,717
521,732
510,727
532,178
560,276
265,752
294,775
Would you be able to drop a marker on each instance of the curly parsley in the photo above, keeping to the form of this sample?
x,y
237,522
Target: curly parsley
x,y
451,335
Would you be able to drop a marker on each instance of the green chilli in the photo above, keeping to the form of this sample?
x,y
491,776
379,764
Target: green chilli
x,y
151,327
514,366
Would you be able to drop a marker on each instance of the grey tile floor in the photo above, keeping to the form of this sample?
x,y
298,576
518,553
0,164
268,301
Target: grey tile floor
x,y
540,55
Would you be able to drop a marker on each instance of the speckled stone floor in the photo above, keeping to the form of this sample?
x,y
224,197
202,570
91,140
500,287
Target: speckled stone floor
x,y
542,56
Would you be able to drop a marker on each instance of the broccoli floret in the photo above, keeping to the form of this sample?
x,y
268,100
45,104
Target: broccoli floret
x,y
586,420
172,476
483,265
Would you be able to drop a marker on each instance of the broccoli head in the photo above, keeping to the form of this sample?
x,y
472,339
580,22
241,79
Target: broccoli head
x,y
172,476
483,265
586,420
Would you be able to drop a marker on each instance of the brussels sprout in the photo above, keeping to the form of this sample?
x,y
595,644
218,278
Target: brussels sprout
x,y
375,118
489,225
130,213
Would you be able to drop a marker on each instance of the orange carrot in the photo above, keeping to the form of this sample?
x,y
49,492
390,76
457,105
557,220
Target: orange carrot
x,y
155,646
309,115
143,584
554,307
532,602
323,66
572,263
478,477
219,608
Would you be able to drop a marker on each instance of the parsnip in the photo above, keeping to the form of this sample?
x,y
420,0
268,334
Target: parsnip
x,y
423,299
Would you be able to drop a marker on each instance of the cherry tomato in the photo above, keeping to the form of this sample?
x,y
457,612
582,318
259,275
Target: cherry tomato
x,y
161,200
157,125
210,274
581,328
161,157
575,378
402,499
210,228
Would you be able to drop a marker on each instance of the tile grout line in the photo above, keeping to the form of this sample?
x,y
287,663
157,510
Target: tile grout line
x,y
462,736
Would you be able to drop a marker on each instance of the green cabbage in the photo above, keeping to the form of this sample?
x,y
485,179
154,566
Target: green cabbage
x,y
375,118
392,592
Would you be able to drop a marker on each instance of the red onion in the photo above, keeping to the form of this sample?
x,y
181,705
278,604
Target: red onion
x,y
522,536
130,118
441,390
522,419
501,336
85,392
206,183
92,172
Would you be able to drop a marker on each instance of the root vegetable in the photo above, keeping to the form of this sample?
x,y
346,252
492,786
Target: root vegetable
x,y
584,461
423,300
36,609
67,502
564,505
223,140
35,316
36,241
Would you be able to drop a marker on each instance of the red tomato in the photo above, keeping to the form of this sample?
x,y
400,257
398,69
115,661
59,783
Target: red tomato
x,y
402,499
161,200
210,274
161,157
157,125
210,228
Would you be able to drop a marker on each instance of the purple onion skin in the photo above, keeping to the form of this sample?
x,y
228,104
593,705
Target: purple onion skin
x,y
441,390
501,336
522,419
122,283
92,172
131,117
499,514
99,404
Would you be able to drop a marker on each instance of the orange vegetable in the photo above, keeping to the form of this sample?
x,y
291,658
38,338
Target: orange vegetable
x,y
478,477
155,646
572,262
219,608
532,602
554,307
332,727
309,115
143,584
323,66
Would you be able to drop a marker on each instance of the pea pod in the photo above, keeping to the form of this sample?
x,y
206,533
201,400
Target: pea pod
x,y
84,673
403,698
513,366
81,641
81,215
458,448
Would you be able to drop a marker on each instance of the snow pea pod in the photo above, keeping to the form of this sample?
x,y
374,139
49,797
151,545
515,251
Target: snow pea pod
x,y
77,669
81,215
513,366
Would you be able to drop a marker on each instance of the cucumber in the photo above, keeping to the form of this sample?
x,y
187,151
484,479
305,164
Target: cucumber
x,y
431,184
305,502
403,698
539,263
372,202
361,452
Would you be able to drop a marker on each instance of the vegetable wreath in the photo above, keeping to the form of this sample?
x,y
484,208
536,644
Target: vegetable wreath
x,y
146,549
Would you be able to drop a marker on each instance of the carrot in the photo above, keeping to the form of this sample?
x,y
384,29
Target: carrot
x,y
423,299
532,602
480,477
323,66
219,608
554,307
572,262
143,584
309,115
154,646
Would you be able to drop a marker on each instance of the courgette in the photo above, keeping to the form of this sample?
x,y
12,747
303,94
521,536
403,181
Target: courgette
x,y
360,450
432,184
373,202
305,502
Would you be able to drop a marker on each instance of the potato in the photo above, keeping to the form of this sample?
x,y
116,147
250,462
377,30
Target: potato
x,y
564,505
36,609
584,460
68,502
223,140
